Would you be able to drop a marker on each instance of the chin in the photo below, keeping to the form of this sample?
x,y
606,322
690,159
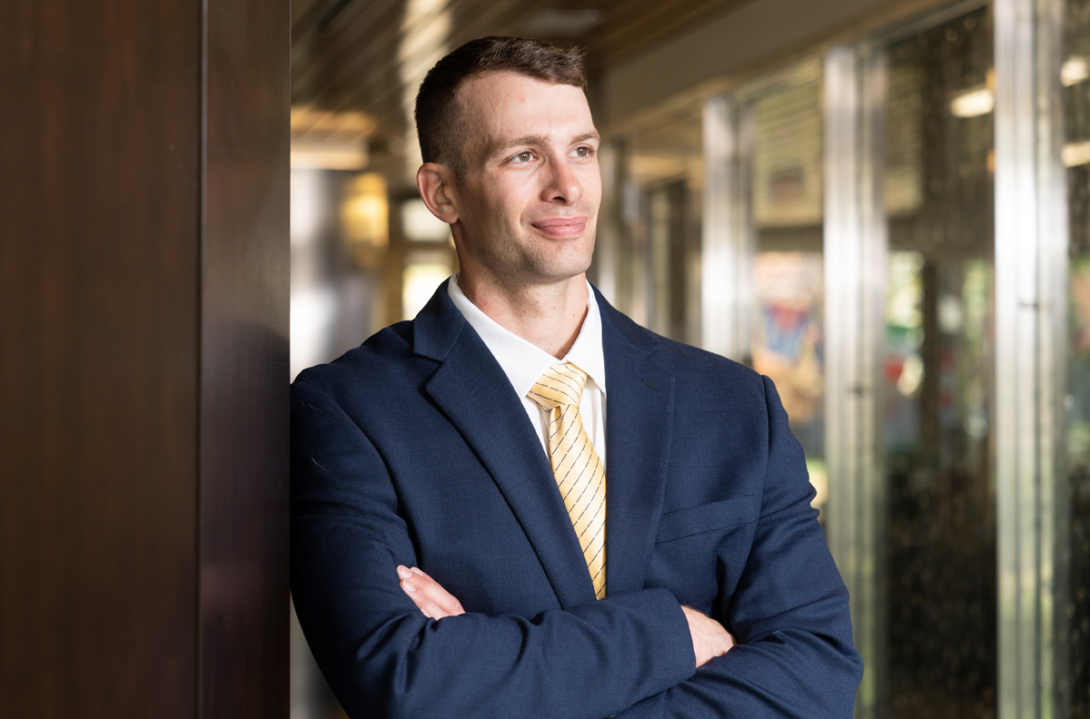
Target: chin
x,y
565,271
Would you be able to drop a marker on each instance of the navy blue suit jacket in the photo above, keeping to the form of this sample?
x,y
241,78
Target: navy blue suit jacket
x,y
414,449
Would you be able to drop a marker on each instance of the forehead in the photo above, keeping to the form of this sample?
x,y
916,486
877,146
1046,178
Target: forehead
x,y
501,106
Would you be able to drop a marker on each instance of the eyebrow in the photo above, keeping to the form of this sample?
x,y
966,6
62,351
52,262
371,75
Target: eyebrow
x,y
588,136
497,147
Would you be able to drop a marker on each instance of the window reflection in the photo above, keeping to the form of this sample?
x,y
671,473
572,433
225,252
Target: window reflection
x,y
940,589
1073,640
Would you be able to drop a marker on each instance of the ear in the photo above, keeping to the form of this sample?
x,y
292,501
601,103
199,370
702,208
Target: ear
x,y
435,182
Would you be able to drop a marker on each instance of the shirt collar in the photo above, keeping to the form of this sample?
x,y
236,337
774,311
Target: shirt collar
x,y
523,362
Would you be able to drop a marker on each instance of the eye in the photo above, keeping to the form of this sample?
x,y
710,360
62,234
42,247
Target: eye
x,y
523,157
583,151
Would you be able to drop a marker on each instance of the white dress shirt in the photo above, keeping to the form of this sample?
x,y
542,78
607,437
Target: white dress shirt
x,y
524,363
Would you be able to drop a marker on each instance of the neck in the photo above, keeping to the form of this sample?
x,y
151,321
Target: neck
x,y
548,316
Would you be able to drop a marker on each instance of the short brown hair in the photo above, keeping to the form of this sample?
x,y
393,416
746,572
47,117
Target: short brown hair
x,y
438,119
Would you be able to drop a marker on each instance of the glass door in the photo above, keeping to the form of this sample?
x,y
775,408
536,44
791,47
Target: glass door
x,y
936,401
910,278
1073,619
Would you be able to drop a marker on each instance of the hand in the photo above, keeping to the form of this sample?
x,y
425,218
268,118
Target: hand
x,y
428,596
710,639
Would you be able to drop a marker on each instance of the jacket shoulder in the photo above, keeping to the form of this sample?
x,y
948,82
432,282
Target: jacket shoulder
x,y
686,362
386,357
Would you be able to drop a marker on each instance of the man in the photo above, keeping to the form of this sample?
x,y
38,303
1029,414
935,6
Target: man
x,y
521,504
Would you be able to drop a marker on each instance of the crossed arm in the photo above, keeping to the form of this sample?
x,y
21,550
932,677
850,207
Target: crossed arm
x,y
383,657
710,639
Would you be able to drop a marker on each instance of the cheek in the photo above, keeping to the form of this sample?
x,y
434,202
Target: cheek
x,y
506,203
592,184
480,211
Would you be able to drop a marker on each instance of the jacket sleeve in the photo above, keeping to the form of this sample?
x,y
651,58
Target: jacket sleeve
x,y
794,655
383,658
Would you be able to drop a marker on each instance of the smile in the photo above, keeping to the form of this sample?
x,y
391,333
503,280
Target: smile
x,y
562,226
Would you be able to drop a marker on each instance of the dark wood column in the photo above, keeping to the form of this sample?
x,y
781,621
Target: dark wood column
x,y
144,358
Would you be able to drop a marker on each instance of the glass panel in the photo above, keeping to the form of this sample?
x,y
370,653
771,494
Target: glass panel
x,y
940,591
1074,537
787,331
658,259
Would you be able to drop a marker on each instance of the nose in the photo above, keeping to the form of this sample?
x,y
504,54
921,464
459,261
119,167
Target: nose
x,y
562,186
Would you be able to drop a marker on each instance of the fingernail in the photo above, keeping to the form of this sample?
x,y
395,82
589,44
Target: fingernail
x,y
408,585
403,572
417,572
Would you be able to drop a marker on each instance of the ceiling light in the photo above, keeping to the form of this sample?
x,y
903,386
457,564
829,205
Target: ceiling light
x,y
329,140
329,153
1074,71
973,103
1075,154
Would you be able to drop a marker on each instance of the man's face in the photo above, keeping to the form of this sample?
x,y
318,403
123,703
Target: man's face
x,y
527,201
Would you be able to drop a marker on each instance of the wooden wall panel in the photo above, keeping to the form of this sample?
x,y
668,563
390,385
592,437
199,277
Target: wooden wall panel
x,y
99,144
134,352
245,365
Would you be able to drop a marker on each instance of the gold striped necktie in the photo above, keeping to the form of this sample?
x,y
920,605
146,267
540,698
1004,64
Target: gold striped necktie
x,y
578,471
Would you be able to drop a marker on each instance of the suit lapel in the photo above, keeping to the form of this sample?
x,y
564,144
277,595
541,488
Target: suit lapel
x,y
639,415
472,390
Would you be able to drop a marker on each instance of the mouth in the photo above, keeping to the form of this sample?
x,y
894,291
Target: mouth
x,y
560,227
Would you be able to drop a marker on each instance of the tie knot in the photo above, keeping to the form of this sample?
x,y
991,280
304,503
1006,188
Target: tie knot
x,y
561,384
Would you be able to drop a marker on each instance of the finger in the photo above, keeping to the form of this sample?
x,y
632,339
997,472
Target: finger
x,y
410,589
427,594
436,593
424,603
